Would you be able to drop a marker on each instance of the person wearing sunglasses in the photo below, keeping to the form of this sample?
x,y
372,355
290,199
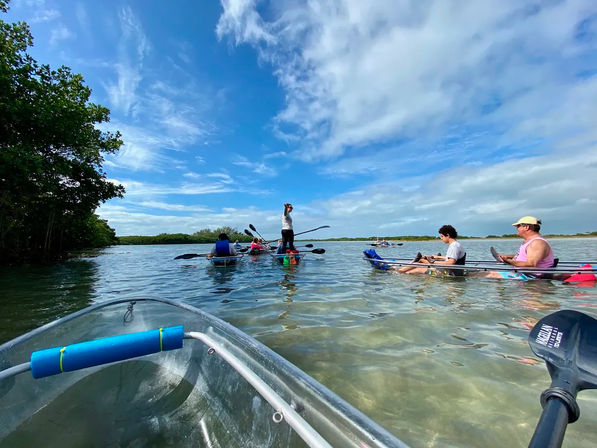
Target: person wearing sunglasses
x,y
535,251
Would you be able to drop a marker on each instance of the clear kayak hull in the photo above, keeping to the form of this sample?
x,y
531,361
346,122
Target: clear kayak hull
x,y
221,389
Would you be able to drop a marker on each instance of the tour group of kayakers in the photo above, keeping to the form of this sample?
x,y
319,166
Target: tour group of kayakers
x,y
534,252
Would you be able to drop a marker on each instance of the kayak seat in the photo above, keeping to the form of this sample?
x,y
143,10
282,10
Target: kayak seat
x,y
372,255
461,261
549,276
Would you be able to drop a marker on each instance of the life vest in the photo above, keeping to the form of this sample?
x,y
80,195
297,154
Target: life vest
x,y
222,248
291,257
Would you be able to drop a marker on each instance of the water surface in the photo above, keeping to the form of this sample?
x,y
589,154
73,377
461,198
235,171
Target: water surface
x,y
437,361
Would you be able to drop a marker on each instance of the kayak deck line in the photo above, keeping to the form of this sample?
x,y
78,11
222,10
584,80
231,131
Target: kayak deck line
x,y
483,266
230,260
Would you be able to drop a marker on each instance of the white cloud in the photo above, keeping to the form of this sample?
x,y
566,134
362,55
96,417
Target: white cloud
x,y
132,50
173,207
476,200
59,34
44,15
253,167
127,222
136,188
359,73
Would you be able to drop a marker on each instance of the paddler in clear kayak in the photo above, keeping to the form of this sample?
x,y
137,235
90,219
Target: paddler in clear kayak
x,y
534,252
454,255
223,247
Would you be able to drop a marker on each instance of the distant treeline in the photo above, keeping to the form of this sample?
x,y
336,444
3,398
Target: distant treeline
x,y
460,237
205,236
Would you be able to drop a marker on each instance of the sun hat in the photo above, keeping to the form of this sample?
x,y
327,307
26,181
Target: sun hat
x,y
527,220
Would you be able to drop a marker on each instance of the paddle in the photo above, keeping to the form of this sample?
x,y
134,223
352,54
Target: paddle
x,y
567,341
306,231
316,251
496,255
257,231
187,256
252,227
249,233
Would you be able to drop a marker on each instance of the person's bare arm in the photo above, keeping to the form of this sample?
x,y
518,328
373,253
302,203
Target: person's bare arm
x,y
506,257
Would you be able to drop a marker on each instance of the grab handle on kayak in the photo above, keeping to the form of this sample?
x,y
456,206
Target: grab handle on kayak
x,y
56,360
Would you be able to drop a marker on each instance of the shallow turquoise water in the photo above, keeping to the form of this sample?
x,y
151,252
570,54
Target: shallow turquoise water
x,y
438,362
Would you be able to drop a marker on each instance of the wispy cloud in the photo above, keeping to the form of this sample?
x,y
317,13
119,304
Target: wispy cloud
x,y
174,207
146,190
128,222
60,33
357,74
44,15
132,50
254,167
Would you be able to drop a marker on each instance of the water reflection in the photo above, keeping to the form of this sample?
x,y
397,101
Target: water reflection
x,y
288,285
35,295
452,351
221,276
532,295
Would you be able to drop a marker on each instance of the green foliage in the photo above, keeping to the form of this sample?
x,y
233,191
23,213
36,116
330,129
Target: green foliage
x,y
51,154
205,236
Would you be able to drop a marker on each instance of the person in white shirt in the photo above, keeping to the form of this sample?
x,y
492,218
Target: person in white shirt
x,y
287,231
454,255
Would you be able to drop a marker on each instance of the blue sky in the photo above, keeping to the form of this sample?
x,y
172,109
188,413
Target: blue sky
x,y
376,118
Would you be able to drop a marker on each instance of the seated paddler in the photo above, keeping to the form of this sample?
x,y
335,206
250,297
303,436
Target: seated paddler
x,y
455,255
223,247
534,252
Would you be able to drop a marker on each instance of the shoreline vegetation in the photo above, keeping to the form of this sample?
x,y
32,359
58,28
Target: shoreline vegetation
x,y
51,154
207,236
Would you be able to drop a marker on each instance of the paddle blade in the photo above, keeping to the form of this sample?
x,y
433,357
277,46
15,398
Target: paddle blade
x,y
567,341
249,233
252,227
495,254
318,251
187,256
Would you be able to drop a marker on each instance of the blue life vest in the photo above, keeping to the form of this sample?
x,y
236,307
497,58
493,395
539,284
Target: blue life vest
x,y
223,248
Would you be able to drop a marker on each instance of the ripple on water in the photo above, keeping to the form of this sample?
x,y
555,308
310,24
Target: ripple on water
x,y
437,361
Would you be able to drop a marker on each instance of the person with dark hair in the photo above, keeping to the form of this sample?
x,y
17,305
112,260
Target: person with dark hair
x,y
223,247
534,252
287,231
454,255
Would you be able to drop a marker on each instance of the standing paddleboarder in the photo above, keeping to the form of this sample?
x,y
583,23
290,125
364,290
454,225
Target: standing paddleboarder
x,y
287,232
